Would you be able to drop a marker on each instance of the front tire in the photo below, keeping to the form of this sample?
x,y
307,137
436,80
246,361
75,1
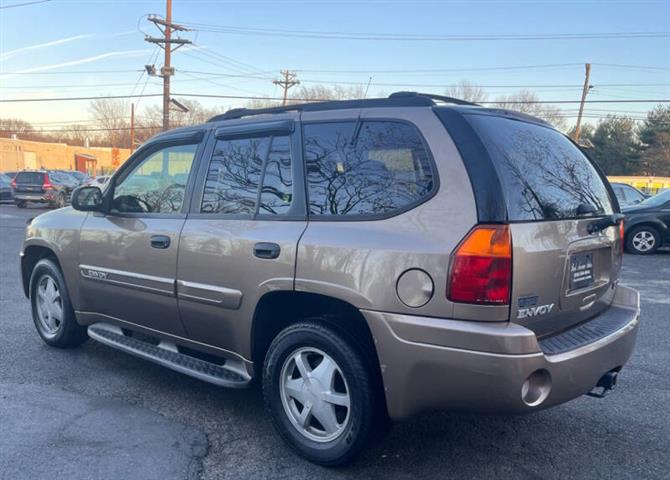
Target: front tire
x,y
319,392
52,311
643,240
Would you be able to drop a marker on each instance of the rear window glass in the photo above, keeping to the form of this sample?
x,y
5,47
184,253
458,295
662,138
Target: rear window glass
x,y
30,177
365,169
543,174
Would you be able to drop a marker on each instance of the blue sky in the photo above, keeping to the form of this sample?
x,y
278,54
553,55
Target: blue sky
x,y
96,35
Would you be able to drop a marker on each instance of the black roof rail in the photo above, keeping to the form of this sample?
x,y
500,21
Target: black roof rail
x,y
398,99
432,96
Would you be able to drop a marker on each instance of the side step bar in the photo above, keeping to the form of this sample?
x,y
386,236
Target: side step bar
x,y
167,355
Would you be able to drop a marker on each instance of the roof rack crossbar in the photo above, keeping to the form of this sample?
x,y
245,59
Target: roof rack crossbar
x,y
398,99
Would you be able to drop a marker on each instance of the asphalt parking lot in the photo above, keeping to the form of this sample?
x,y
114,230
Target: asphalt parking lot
x,y
98,413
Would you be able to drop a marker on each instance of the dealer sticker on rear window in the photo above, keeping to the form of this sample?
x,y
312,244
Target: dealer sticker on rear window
x,y
581,270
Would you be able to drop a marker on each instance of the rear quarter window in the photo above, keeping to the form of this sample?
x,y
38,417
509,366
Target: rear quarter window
x,y
365,169
543,174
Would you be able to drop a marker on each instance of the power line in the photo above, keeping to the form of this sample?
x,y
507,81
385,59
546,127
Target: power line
x,y
234,30
631,67
78,72
241,97
24,4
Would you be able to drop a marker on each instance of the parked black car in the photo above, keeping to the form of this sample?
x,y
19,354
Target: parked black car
x,y
50,187
628,195
648,224
6,194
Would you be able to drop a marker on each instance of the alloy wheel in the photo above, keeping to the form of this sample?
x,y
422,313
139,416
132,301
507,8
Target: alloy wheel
x,y
315,394
643,241
49,306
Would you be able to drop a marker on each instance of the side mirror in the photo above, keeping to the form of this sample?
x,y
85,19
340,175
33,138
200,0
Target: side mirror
x,y
87,199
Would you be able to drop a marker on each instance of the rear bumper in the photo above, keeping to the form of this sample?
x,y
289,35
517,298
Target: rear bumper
x,y
430,363
34,197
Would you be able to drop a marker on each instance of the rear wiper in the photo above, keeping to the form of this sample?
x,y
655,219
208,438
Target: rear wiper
x,y
586,209
603,223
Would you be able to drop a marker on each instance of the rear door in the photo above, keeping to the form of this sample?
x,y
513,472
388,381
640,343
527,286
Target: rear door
x,y
240,239
128,256
562,274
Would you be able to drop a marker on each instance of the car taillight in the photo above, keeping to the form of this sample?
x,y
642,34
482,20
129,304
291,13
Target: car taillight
x,y
47,183
621,237
481,267
13,183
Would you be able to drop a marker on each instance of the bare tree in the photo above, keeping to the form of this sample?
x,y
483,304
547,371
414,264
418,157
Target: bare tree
x,y
20,128
468,91
113,115
315,93
525,101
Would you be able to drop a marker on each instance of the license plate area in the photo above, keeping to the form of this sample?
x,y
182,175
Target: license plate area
x,y
581,271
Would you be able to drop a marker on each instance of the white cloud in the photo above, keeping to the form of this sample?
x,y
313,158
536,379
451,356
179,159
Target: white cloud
x,y
94,58
13,53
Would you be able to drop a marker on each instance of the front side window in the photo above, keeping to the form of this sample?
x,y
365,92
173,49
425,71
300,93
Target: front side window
x,y
365,168
157,184
248,176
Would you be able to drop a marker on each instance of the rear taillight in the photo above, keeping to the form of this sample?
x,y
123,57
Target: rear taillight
x,y
621,237
481,267
13,183
47,183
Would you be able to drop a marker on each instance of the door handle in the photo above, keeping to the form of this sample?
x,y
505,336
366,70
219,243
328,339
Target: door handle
x,y
266,250
160,241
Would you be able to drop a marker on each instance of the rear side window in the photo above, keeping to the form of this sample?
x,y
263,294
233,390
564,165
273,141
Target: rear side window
x,y
32,178
365,168
249,175
544,176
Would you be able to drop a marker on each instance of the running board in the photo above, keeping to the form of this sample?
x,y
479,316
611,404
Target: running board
x,y
167,355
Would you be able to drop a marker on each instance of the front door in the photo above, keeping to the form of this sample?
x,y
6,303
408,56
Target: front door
x,y
240,239
128,256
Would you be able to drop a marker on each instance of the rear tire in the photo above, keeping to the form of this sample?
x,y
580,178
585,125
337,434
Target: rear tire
x,y
320,393
52,311
643,240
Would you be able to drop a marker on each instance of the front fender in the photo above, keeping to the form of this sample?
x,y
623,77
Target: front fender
x,y
54,233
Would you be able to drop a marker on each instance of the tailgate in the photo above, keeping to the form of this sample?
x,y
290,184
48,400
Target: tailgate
x,y
29,182
562,273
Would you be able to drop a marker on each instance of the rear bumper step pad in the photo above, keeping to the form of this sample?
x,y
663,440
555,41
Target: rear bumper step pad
x,y
209,372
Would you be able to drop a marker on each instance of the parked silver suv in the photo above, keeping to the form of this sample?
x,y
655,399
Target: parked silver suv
x,y
362,259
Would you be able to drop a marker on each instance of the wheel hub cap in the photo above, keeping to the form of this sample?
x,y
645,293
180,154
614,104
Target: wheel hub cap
x,y
643,241
315,395
49,305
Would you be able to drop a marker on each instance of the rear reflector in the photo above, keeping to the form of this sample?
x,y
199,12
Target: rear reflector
x,y
481,268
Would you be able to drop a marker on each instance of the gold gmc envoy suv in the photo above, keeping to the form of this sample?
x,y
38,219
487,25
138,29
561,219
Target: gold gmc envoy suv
x,y
362,260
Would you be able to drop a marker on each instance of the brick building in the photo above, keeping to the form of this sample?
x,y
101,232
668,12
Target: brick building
x,y
28,155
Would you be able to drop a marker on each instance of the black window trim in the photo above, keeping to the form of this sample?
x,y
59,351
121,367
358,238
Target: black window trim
x,y
380,216
196,137
286,127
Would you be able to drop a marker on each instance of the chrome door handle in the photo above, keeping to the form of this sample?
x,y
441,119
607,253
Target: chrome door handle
x,y
266,250
160,241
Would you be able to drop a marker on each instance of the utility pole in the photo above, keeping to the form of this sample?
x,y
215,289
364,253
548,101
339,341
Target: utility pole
x,y
132,127
166,43
585,91
287,82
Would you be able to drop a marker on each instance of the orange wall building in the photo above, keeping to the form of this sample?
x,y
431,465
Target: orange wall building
x,y
28,155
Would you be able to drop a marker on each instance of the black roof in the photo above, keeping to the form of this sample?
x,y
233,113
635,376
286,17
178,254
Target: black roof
x,y
398,99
